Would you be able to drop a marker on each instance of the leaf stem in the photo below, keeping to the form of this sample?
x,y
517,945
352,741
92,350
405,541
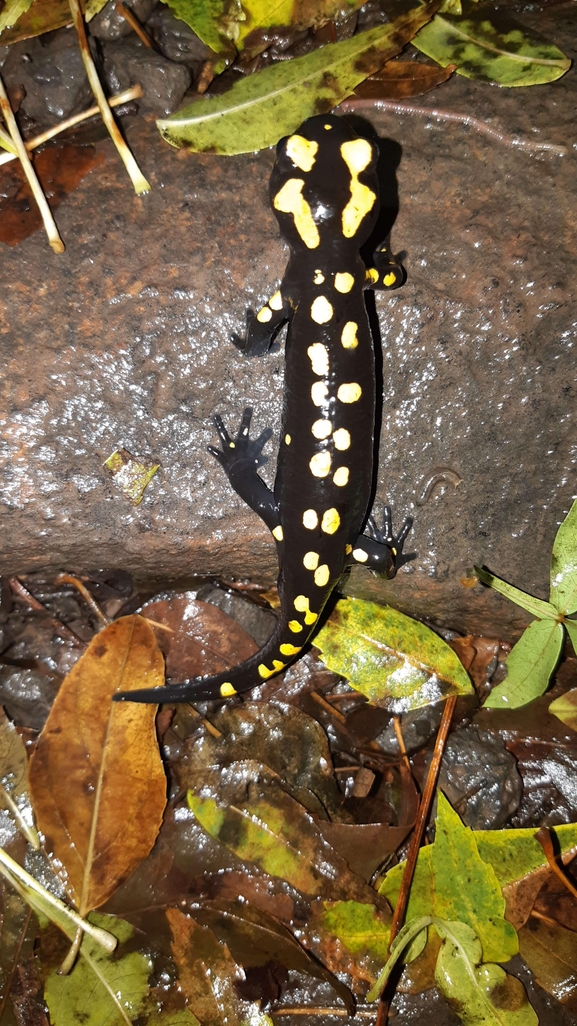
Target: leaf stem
x,y
137,178
49,222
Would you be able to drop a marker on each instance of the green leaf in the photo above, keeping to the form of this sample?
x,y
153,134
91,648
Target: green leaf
x,y
406,937
261,108
535,606
488,46
529,666
564,565
207,19
358,927
93,7
11,11
565,708
550,951
100,990
466,889
394,660
482,995
571,626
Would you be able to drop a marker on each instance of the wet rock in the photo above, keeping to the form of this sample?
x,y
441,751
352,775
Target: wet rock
x,y
416,726
108,24
176,40
480,778
124,340
255,620
27,695
163,82
50,72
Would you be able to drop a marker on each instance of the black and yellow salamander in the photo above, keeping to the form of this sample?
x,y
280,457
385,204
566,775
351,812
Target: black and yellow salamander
x,y
324,193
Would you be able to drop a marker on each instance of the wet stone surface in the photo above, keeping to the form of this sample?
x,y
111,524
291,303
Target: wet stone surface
x,y
124,341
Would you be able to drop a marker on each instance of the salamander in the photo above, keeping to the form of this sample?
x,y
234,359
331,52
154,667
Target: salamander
x,y
324,193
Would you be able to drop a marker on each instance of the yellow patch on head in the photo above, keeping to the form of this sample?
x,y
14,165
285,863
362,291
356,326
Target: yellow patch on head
x,y
289,650
390,279
277,532
349,335
322,574
319,393
344,281
310,519
341,477
360,555
226,689
342,439
349,392
372,275
318,354
295,626
320,464
301,151
275,302
331,521
287,439
311,560
357,154
289,200
319,277
264,315
321,310
322,428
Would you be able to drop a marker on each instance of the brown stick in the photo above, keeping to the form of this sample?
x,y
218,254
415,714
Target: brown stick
x,y
134,24
421,821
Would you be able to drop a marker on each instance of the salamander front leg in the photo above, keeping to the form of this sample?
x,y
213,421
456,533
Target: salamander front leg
x,y
384,272
262,327
241,459
382,551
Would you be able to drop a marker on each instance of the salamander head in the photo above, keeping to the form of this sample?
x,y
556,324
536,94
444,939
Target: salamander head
x,y
324,187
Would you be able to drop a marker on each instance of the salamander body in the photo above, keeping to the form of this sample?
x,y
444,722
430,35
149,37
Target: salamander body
x,y
324,194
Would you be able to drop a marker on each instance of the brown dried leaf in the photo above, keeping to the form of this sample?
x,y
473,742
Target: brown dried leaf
x,y
207,972
398,79
550,951
96,778
364,845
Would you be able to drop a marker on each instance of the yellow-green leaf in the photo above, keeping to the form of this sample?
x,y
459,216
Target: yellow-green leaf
x,y
487,45
529,666
564,565
11,11
394,660
261,108
565,708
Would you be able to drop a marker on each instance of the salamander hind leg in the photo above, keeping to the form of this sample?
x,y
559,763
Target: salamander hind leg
x,y
381,550
241,457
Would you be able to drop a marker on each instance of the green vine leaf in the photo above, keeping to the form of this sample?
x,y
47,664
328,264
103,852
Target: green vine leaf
x,y
564,565
535,606
529,666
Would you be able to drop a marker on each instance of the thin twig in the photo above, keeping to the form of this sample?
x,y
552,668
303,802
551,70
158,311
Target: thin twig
x,y
413,853
544,837
49,222
343,1013
401,742
449,115
134,93
134,24
65,632
137,178
88,598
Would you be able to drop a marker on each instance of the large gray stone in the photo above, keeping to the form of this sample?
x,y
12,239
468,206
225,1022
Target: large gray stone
x,y
124,341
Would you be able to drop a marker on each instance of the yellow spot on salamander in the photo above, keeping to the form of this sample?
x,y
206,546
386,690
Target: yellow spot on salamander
x,y
301,603
311,560
341,477
327,128
322,428
264,671
331,521
321,310
264,315
349,335
277,533
295,626
319,277
348,549
372,275
344,281
302,151
318,354
342,439
360,555
319,393
349,392
226,689
289,650
322,575
390,279
275,302
310,618
310,519
320,464
287,439
289,200
357,154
